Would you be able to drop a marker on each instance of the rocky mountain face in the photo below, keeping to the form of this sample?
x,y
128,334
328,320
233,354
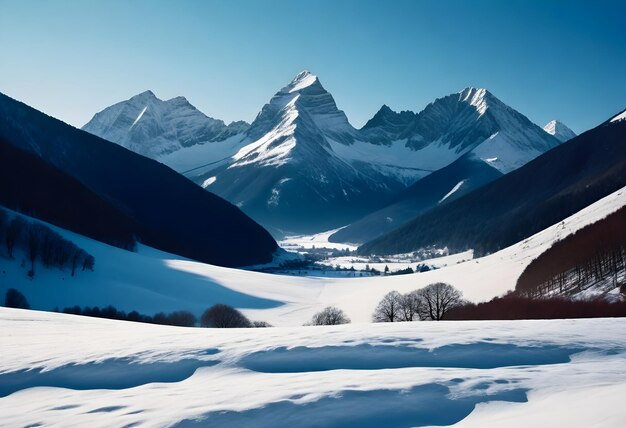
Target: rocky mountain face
x,y
152,127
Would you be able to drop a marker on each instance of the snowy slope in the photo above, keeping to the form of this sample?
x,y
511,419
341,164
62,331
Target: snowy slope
x,y
94,372
560,131
152,127
151,281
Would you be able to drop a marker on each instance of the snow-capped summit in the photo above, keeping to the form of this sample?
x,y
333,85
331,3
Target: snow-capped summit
x,y
153,127
302,80
559,130
474,120
303,96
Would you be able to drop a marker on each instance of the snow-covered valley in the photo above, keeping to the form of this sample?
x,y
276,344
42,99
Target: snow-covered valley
x,y
150,280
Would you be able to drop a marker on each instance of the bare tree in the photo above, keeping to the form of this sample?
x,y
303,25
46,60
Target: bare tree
x,y
34,245
438,299
389,308
411,306
13,233
76,258
88,262
224,316
330,316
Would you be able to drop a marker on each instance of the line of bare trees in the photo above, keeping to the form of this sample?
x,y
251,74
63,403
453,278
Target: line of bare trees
x,y
41,244
432,302
594,255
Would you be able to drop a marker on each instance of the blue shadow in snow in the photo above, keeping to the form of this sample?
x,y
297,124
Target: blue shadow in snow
x,y
420,406
114,373
481,355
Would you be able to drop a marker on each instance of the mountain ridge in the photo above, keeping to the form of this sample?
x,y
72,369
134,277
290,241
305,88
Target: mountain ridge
x,y
301,145
150,126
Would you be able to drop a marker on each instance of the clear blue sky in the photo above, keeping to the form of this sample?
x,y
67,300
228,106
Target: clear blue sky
x,y
548,59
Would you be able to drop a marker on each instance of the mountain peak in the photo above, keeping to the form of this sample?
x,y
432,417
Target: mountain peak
x,y
302,80
145,95
152,127
559,130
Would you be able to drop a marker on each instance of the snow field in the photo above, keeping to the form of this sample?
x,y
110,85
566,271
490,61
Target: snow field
x,y
395,374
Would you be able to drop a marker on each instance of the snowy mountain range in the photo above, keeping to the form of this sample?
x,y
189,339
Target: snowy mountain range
x,y
560,131
152,127
543,192
302,167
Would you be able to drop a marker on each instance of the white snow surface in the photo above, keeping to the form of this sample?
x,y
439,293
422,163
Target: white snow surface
x,y
399,263
621,116
317,240
151,281
95,372
203,157
206,183
456,187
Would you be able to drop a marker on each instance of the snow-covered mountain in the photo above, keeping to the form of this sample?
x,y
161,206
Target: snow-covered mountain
x,y
560,131
482,136
152,127
299,167
474,120
302,167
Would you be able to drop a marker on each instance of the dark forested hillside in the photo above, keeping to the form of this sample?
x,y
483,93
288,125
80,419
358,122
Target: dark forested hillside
x,y
30,185
174,214
541,193
594,256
